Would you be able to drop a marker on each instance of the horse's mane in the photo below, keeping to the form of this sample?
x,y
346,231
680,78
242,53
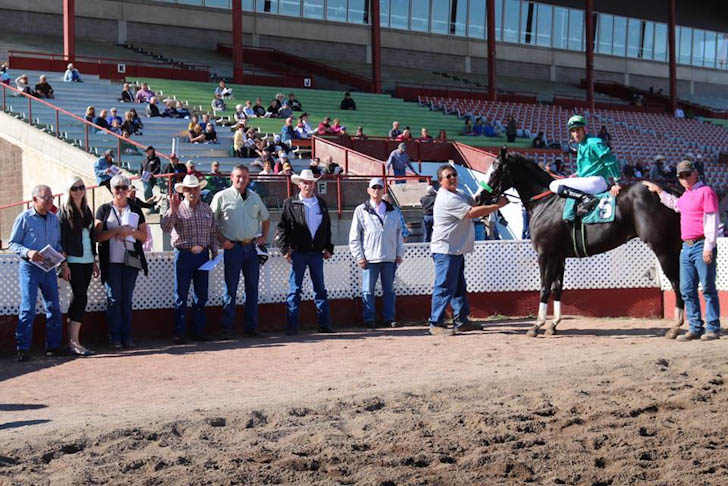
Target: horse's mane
x,y
543,177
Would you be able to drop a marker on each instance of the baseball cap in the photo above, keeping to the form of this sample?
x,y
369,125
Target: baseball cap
x,y
376,181
685,166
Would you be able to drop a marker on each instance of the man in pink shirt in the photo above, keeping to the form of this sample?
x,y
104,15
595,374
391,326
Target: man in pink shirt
x,y
698,208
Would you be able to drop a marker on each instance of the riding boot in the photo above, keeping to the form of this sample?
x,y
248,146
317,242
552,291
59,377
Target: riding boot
x,y
586,202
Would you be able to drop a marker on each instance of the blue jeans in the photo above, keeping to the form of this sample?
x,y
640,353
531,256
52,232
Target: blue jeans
x,y
119,285
241,257
428,220
186,266
450,288
693,270
399,172
31,278
149,188
369,282
314,260
526,232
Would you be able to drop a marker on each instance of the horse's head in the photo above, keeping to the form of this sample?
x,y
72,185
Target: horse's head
x,y
498,181
514,171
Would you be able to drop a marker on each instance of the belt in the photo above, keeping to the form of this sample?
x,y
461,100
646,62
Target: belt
x,y
244,242
693,241
189,250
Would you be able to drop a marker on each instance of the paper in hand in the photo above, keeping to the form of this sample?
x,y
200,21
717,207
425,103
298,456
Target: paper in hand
x,y
210,264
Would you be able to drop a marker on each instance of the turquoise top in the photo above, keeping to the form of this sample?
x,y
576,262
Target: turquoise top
x,y
88,256
594,158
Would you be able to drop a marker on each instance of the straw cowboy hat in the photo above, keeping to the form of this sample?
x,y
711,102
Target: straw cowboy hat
x,y
306,176
189,181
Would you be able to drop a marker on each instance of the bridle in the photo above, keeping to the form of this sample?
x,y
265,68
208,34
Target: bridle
x,y
498,191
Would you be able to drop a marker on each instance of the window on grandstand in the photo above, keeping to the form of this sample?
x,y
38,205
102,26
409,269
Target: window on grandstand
x,y
290,7
648,40
698,47
683,38
511,14
619,34
543,25
313,9
634,37
399,14
248,5
384,13
359,11
660,42
528,23
420,15
476,27
440,16
710,39
561,28
268,6
576,30
722,54
498,20
459,21
605,25
218,3
336,10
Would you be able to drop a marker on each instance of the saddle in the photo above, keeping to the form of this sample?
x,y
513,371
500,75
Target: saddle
x,y
603,212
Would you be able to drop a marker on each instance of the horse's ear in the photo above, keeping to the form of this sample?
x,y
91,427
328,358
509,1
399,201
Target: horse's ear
x,y
503,152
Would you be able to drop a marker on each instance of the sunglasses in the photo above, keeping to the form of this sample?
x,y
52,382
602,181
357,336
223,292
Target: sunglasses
x,y
684,175
378,188
450,176
78,188
121,188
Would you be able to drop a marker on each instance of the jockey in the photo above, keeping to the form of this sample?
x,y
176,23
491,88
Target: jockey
x,y
596,169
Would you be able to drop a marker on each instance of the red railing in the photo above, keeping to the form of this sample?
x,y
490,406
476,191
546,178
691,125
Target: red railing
x,y
106,67
410,92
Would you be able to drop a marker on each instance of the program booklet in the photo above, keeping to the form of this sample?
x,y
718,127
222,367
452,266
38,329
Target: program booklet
x,y
51,259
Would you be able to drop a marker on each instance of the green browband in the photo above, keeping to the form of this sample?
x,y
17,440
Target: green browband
x,y
485,186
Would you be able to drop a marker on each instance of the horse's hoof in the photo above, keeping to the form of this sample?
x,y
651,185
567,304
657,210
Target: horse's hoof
x,y
533,332
550,331
672,333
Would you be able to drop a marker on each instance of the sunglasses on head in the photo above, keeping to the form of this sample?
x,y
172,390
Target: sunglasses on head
x,y
684,175
121,188
78,188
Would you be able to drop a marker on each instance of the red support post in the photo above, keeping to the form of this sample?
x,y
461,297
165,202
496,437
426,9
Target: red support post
x,y
376,48
58,128
492,96
346,162
338,195
4,105
69,30
673,62
589,25
85,134
118,153
30,111
237,41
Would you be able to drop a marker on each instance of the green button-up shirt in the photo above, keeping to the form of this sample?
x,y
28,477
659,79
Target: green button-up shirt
x,y
239,219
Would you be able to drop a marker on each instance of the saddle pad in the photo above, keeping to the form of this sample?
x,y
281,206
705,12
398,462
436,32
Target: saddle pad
x,y
603,212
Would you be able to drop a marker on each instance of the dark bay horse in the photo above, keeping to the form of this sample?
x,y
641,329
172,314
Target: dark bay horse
x,y
639,213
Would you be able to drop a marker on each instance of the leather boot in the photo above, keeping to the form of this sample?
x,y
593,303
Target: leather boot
x,y
585,202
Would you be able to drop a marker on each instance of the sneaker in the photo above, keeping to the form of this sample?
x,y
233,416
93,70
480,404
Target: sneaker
x,y
710,336
22,356
688,336
391,324
465,325
441,330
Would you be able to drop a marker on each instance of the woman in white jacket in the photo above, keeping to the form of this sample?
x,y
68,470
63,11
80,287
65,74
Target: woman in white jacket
x,y
375,241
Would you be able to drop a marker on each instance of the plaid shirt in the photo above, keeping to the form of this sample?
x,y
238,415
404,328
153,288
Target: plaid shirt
x,y
191,227
31,231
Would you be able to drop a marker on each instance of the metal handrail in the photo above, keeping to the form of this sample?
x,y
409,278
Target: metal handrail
x,y
62,57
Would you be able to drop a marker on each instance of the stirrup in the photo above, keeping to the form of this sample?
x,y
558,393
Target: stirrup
x,y
587,207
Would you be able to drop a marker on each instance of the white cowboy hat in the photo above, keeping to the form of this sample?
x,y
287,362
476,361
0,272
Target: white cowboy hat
x,y
306,175
189,181
659,157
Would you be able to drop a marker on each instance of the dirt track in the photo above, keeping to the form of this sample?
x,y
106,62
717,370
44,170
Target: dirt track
x,y
607,402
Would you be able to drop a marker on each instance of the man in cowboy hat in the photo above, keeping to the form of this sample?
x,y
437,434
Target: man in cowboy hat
x,y
304,237
194,238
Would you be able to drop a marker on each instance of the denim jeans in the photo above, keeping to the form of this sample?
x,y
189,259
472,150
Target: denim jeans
x,y
119,285
693,270
314,260
241,257
428,220
450,288
31,278
149,188
186,266
399,172
385,270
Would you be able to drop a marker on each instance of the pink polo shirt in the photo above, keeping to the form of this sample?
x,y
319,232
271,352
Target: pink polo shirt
x,y
693,205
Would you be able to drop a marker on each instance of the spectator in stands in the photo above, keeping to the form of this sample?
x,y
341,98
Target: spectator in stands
x,y
424,136
216,181
79,245
175,167
490,129
304,237
376,243
248,110
4,76
442,136
348,102
395,131
128,124
127,94
288,134
428,203
258,108
538,141
194,238
210,134
478,129
217,105
295,104
452,237
267,168
152,109
21,83
104,169
628,170
314,166
656,171
244,222
239,116
287,169
404,136
679,113
468,128
330,167
43,89
195,133
360,133
699,218
181,111
140,203
282,159
698,162
126,147
33,229
205,120
114,115
170,111
239,140
639,171
276,145
72,75
150,166
90,115
398,162
137,121
101,119
223,91
285,111
121,256
272,110
336,127
144,94
303,128
324,128
605,136
115,127
511,130
191,170
557,168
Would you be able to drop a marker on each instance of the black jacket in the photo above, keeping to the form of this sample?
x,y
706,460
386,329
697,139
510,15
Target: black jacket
x,y
293,232
153,165
102,214
428,204
71,239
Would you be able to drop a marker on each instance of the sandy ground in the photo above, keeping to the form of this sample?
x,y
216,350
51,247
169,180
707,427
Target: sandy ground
x,y
606,402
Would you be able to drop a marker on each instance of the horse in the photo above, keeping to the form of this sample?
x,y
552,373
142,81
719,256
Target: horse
x,y
639,213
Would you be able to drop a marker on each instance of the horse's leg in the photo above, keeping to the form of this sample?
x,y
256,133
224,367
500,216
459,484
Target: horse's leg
x,y
670,263
557,288
546,268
